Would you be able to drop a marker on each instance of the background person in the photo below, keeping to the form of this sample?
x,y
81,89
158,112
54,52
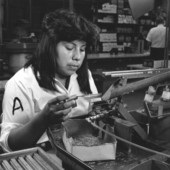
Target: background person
x,y
33,98
156,39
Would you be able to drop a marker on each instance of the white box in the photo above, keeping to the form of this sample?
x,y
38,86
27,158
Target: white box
x,y
76,127
108,37
158,64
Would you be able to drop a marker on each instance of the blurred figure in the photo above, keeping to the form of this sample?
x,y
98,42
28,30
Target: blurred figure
x,y
22,32
156,39
21,29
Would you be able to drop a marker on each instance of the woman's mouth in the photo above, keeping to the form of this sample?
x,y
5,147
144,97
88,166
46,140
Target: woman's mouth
x,y
74,67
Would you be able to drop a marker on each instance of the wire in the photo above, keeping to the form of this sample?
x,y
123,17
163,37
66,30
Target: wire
x,y
130,143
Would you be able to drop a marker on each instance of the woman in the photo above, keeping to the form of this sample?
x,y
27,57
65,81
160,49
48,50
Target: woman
x,y
36,96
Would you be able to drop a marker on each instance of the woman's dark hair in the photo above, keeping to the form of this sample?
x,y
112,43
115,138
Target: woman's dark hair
x,y
61,25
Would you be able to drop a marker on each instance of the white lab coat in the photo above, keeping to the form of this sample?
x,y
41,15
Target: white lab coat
x,y
24,98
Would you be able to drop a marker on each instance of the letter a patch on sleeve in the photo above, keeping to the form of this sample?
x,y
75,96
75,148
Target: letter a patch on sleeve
x,y
17,105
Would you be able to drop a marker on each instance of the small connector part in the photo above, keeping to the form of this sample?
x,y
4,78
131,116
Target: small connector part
x,y
74,97
75,104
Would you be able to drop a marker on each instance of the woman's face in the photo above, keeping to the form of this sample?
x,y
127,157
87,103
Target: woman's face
x,y
70,57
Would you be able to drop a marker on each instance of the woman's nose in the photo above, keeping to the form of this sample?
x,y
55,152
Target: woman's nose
x,y
77,55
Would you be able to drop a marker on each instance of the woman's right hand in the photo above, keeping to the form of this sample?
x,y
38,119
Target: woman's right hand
x,y
57,109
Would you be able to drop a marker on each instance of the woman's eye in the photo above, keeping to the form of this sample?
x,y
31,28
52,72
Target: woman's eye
x,y
69,48
83,49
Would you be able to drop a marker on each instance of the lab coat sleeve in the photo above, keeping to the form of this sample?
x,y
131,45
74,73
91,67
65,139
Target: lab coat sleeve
x,y
17,108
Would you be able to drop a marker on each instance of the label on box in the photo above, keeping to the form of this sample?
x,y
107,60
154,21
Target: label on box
x,y
160,111
148,98
165,95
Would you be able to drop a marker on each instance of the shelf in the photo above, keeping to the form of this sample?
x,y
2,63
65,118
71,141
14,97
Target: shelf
x,y
108,41
128,24
145,25
110,56
106,22
106,12
128,33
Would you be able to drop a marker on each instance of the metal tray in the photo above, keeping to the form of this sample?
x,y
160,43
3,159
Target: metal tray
x,y
27,159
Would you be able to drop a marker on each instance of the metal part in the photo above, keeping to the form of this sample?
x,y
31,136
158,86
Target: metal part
x,y
88,96
99,116
91,96
136,73
74,97
113,92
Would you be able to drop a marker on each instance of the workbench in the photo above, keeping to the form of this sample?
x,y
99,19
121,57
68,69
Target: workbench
x,y
136,67
124,160
107,61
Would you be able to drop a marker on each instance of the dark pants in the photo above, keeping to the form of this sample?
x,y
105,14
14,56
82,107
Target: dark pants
x,y
157,53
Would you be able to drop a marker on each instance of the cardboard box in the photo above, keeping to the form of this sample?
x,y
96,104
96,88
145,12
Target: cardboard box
x,y
78,127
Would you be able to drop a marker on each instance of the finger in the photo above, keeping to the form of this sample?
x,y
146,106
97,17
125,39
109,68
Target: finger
x,y
59,116
66,117
71,103
58,99
63,97
62,113
63,106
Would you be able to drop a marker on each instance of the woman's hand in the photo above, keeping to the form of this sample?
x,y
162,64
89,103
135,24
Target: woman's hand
x,y
57,109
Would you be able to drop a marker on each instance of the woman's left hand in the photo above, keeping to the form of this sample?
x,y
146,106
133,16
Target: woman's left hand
x,y
57,109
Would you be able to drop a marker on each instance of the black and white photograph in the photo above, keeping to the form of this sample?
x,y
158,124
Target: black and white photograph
x,y
84,85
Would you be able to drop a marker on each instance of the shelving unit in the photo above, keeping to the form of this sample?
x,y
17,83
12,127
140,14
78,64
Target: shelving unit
x,y
106,18
119,31
30,10
127,29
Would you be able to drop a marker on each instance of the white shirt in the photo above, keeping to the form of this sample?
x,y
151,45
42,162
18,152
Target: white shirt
x,y
157,36
24,98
